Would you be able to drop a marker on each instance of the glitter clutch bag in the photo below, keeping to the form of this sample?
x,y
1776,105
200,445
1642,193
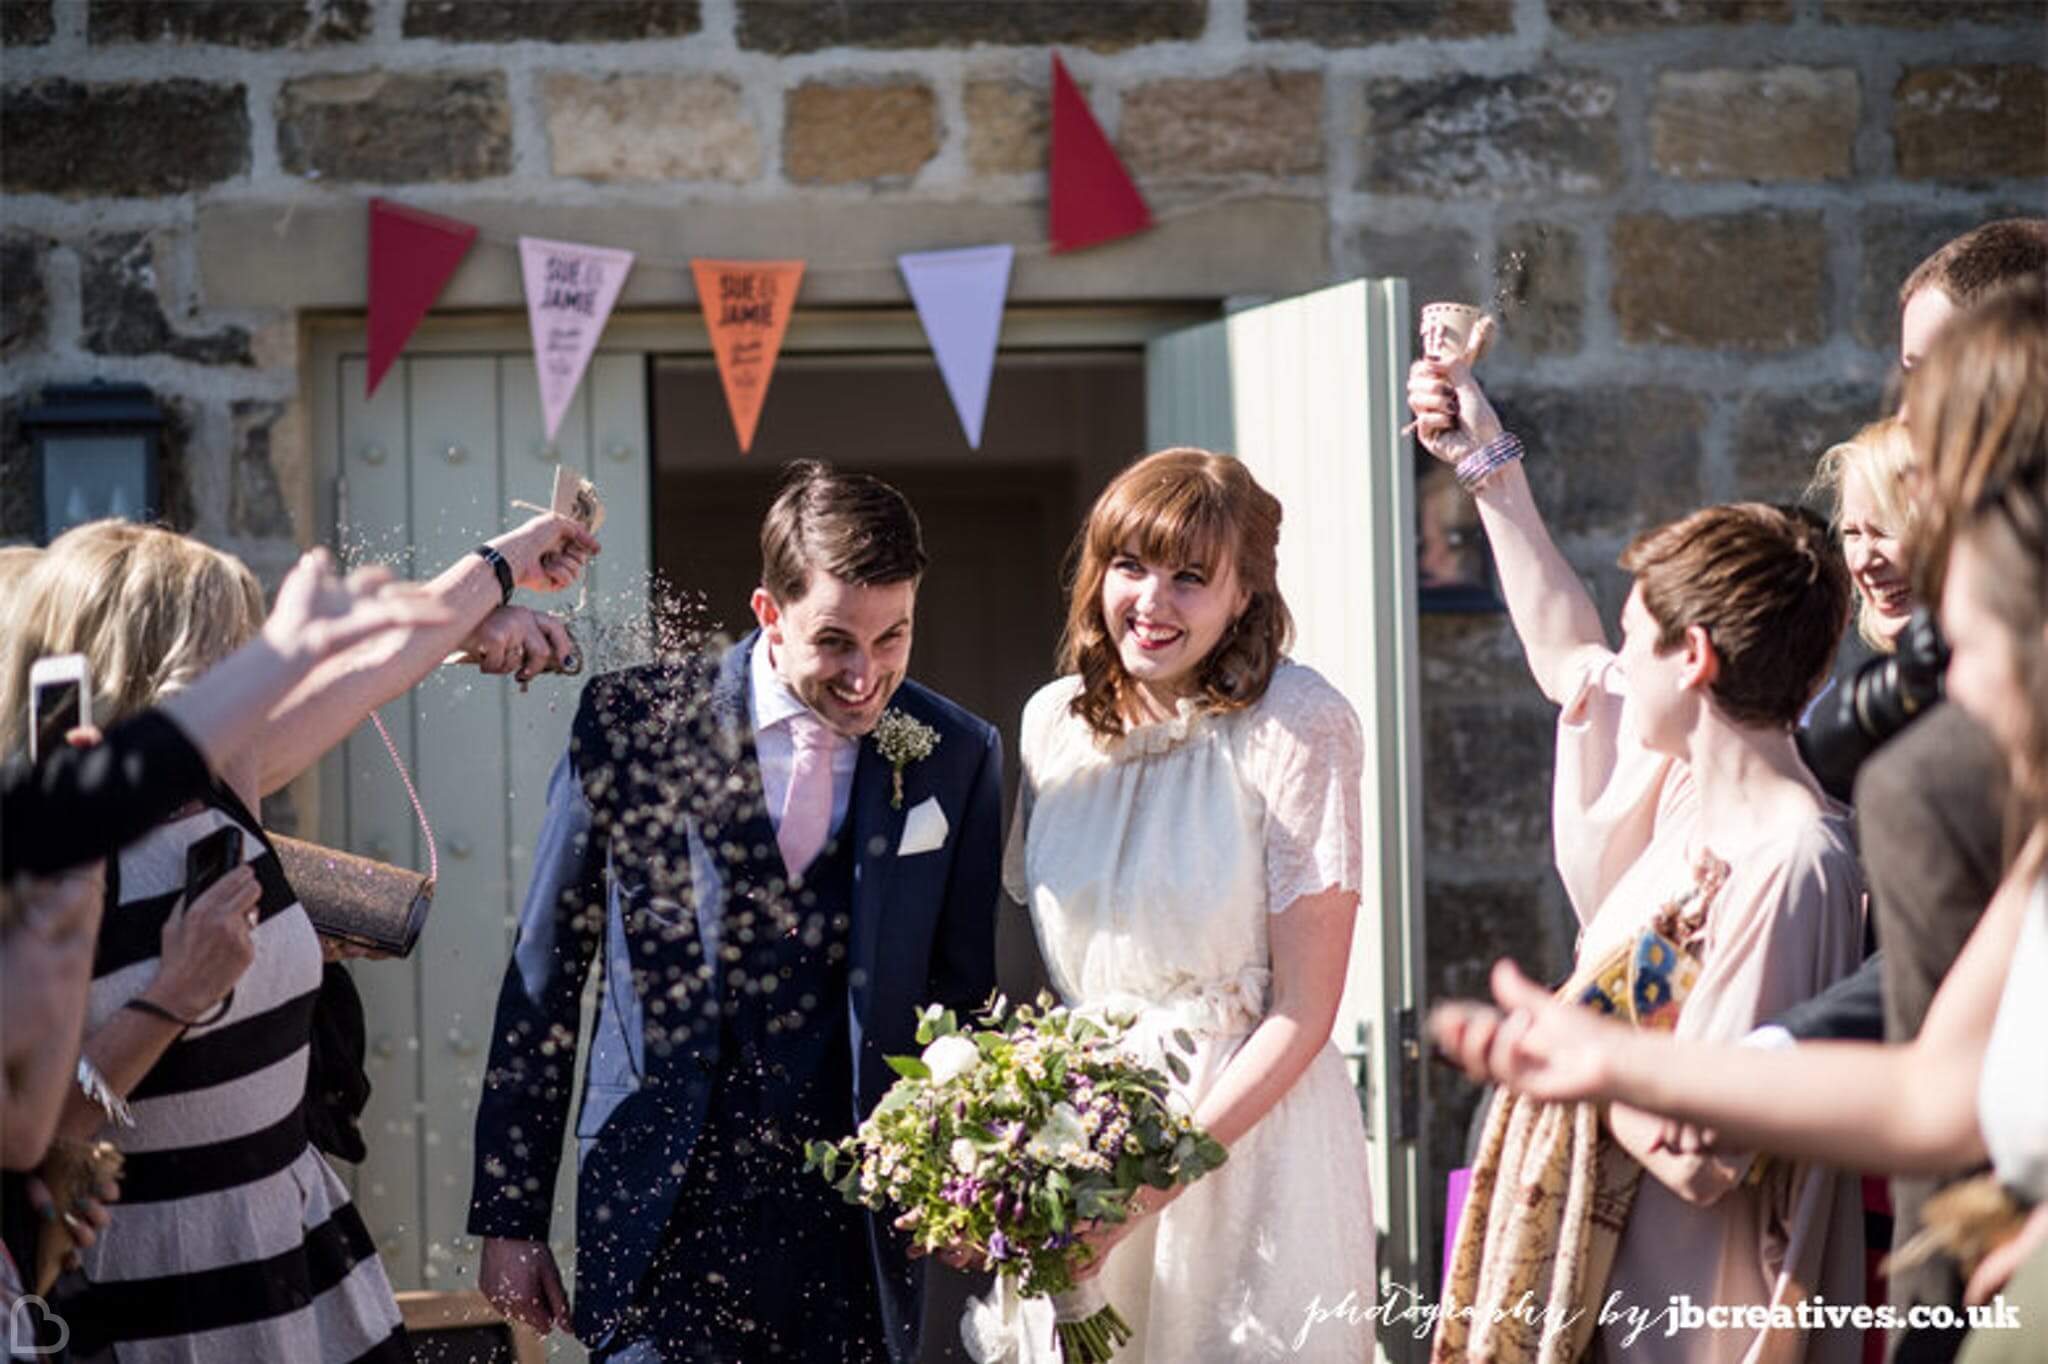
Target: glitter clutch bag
x,y
357,899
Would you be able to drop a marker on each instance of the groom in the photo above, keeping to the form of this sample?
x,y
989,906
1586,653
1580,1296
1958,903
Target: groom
x,y
727,832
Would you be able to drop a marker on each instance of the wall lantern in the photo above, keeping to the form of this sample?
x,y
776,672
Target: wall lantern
x,y
96,450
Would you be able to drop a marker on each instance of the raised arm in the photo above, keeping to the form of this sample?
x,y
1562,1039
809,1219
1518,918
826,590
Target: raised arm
x,y
546,554
1552,613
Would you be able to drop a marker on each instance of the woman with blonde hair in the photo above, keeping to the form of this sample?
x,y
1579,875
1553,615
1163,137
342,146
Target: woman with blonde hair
x,y
1866,480
1187,839
233,1237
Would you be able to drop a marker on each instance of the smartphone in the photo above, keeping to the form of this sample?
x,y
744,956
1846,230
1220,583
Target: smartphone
x,y
211,858
59,701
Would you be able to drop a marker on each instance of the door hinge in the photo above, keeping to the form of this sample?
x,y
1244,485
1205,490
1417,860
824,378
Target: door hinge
x,y
1408,1059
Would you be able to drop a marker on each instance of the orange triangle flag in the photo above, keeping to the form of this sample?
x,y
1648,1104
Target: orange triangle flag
x,y
747,306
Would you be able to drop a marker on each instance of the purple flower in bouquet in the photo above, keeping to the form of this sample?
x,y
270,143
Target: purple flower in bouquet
x,y
999,1248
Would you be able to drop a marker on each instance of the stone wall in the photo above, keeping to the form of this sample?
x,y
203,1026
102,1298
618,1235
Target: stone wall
x,y
1698,212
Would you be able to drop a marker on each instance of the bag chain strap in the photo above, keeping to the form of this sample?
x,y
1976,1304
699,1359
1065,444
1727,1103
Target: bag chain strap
x,y
433,853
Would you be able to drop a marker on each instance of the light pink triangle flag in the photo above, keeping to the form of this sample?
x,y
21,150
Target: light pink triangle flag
x,y
570,291
959,297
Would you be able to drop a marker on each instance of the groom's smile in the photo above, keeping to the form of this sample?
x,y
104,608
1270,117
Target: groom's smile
x,y
842,647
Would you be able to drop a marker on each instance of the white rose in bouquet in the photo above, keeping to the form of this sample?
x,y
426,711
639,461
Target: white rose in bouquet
x,y
948,1058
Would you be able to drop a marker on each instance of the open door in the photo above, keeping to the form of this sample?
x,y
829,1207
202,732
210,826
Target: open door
x,y
1308,391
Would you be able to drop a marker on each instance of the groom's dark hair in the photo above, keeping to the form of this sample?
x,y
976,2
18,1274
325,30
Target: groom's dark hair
x,y
853,526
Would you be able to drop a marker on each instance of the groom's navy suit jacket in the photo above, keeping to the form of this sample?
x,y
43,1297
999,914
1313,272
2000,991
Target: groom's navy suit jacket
x,y
640,858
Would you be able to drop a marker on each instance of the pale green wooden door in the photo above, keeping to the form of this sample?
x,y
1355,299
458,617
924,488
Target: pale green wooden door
x,y
1308,392
427,471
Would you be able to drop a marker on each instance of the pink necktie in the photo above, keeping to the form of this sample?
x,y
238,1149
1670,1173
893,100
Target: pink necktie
x,y
807,804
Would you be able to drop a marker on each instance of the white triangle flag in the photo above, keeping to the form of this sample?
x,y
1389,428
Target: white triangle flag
x,y
959,297
570,291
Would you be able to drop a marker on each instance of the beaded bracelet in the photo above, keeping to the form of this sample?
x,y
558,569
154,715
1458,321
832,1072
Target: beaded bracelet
x,y
1488,460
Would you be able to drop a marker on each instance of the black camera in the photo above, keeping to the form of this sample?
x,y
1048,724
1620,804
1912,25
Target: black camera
x,y
1884,696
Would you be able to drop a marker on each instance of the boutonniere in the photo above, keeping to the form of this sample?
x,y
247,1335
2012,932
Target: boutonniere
x,y
901,742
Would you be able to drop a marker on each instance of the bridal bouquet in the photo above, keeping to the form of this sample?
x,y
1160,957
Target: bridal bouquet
x,y
1006,1138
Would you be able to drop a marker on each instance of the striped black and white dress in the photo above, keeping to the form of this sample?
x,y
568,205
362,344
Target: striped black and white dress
x,y
233,1239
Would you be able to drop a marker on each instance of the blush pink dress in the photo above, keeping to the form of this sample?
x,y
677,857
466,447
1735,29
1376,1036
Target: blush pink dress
x,y
1786,924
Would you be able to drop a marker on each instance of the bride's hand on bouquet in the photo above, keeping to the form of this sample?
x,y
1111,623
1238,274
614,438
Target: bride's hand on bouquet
x,y
1100,1238
1533,1042
1452,415
959,1255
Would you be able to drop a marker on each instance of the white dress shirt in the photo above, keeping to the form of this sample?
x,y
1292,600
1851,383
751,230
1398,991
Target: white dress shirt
x,y
771,705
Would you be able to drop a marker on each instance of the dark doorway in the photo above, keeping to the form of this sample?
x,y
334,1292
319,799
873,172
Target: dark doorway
x,y
997,523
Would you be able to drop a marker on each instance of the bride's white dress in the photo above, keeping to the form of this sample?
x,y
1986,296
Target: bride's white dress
x,y
1151,867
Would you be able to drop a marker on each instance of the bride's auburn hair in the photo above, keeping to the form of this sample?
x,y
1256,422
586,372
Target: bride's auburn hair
x,y
1179,506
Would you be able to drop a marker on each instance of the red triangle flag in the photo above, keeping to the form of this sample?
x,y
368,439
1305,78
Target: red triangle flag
x,y
1093,198
412,255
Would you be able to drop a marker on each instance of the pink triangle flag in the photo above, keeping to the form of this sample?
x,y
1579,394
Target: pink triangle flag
x,y
959,297
570,291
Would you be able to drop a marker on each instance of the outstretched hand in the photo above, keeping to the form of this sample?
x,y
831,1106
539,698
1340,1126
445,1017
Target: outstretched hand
x,y
1533,1042
548,553
1452,415
319,613
521,641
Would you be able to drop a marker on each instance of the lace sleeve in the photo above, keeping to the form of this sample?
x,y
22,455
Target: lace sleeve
x,y
1307,759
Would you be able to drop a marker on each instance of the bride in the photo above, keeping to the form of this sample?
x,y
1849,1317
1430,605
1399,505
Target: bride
x,y
1187,840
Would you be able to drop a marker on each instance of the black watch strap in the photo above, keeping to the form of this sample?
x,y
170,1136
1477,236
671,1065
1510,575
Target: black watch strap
x,y
500,567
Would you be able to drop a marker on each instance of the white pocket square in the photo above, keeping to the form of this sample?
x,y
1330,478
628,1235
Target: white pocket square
x,y
924,829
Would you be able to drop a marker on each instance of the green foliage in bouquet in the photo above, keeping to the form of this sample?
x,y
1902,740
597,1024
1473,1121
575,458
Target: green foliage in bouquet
x,y
1007,1137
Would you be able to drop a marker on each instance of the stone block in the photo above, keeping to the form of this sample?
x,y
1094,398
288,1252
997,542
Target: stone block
x,y
122,306
26,23
24,297
1539,289
1438,263
139,139
650,127
256,503
1486,781
1774,123
1610,462
1933,13
1009,126
1779,437
551,21
384,127
18,511
1971,122
252,24
268,255
784,27
1750,281
837,134
1471,923
1522,136
1474,656
1599,18
1348,23
1247,123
